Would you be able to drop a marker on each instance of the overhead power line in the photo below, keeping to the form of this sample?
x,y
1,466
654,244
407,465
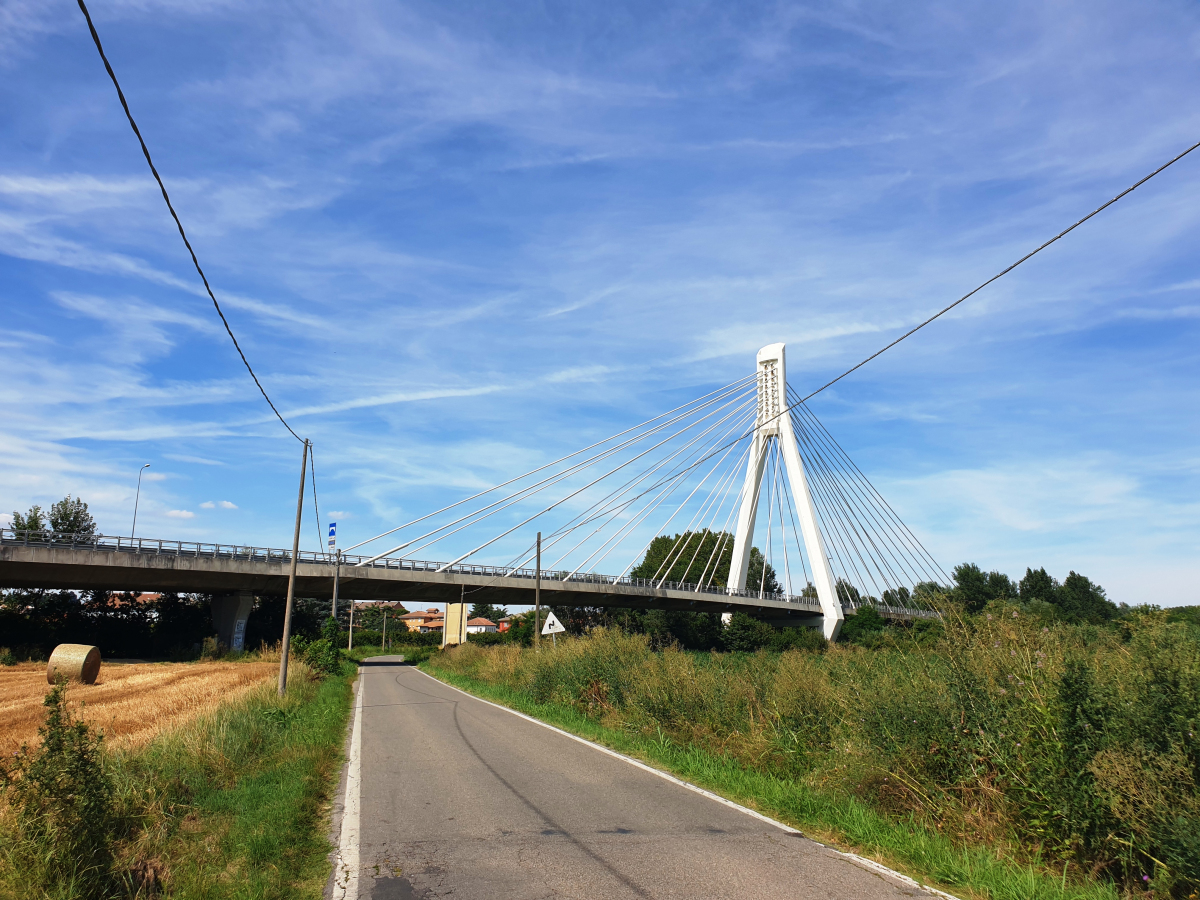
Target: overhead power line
x,y
162,187
998,275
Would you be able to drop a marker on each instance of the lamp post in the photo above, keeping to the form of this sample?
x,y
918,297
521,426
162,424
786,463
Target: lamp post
x,y
136,498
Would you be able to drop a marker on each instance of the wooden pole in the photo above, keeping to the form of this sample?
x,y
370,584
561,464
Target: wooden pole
x,y
291,594
537,597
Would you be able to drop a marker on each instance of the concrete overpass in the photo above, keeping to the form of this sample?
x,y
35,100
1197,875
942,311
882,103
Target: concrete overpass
x,y
70,562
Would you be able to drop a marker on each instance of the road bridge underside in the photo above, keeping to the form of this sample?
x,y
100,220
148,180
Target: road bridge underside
x,y
69,569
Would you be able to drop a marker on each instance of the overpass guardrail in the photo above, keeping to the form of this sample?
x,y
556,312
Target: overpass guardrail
x,y
247,552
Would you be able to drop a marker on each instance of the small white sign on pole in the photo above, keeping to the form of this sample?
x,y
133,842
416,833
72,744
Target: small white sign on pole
x,y
332,536
553,626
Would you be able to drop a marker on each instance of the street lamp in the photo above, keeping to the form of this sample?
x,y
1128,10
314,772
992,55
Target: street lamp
x,y
136,497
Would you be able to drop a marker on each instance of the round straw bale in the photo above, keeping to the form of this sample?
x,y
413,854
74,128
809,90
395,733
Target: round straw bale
x,y
77,662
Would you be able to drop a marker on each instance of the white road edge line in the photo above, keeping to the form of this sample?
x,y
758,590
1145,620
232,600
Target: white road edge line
x,y
345,876
878,868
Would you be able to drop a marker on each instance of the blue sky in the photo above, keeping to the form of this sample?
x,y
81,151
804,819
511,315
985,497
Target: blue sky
x,y
457,240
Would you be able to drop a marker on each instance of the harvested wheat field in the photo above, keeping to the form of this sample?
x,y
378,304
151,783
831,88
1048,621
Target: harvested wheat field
x,y
131,702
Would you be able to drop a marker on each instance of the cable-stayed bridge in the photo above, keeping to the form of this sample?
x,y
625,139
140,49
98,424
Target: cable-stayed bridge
x,y
677,501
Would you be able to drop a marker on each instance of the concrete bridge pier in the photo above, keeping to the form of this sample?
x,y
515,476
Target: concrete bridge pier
x,y
230,612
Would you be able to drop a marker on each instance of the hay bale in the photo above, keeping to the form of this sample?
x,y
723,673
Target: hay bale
x,y
77,662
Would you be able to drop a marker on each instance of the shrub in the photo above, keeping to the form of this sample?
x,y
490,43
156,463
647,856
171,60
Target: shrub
x,y
62,800
323,657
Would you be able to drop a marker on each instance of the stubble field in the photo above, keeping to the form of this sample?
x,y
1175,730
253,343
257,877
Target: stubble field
x,y
131,702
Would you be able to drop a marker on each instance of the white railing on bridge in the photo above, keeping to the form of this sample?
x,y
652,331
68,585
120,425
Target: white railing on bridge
x,y
202,550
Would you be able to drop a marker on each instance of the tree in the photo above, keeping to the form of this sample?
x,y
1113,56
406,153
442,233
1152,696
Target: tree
x,y
860,626
1083,600
688,558
34,520
487,611
71,516
705,556
1038,586
975,589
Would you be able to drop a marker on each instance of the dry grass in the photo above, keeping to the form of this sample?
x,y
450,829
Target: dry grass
x,y
132,703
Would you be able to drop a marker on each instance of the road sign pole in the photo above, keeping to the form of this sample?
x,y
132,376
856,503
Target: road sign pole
x,y
537,597
337,574
291,594
384,647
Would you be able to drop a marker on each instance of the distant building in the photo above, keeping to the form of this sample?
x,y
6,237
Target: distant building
x,y
480,626
414,621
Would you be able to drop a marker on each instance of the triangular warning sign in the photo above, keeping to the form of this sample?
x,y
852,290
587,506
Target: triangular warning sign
x,y
553,626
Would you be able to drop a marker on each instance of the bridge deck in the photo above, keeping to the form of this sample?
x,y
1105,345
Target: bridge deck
x,y
119,563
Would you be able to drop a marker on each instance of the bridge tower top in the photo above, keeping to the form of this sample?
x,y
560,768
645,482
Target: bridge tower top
x,y
772,389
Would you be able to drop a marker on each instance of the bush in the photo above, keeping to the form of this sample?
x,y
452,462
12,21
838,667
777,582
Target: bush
x,y
62,799
323,657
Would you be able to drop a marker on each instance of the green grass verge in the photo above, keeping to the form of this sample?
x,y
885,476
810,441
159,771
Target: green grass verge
x,y
844,822
254,783
232,805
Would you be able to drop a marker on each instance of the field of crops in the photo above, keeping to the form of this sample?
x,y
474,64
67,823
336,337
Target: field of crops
x,y
130,702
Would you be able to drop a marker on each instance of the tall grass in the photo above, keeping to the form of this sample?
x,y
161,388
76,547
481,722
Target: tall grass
x,y
1068,749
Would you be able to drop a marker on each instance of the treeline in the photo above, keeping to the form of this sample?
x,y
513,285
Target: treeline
x,y
169,626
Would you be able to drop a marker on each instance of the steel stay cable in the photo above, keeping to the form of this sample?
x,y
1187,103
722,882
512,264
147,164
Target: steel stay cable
x,y
669,484
1003,272
723,493
787,568
610,514
849,550
904,556
616,492
617,508
726,388
549,481
741,457
563,500
867,533
607,542
854,526
500,505
797,535
714,558
703,532
850,505
694,465
772,451
561,532
912,539
681,544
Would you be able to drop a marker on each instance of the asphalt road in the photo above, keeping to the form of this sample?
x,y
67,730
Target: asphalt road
x,y
449,796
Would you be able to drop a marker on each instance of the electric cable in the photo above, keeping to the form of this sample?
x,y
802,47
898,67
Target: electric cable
x,y
178,224
1002,272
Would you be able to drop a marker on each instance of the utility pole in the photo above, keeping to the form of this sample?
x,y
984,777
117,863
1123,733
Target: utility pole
x,y
537,597
384,647
291,594
136,498
350,644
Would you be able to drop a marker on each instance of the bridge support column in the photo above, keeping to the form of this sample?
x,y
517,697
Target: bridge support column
x,y
230,613
775,423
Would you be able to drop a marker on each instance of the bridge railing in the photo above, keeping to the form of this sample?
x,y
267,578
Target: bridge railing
x,y
246,552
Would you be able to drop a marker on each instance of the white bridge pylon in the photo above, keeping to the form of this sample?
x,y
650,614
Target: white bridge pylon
x,y
774,423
